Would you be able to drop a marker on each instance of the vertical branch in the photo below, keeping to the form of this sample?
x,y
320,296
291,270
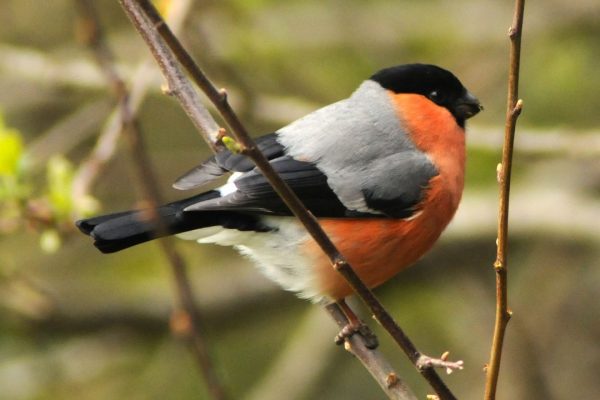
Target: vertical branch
x,y
186,320
513,110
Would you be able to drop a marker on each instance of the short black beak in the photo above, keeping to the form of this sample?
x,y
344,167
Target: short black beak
x,y
467,106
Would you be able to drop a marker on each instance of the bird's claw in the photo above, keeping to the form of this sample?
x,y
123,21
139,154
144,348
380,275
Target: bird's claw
x,y
371,341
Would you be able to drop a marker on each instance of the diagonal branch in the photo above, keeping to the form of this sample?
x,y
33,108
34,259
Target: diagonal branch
x,y
185,320
138,11
373,360
177,85
513,110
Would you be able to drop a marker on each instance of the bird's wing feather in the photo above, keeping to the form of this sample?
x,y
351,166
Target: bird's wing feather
x,y
226,161
397,184
393,188
254,194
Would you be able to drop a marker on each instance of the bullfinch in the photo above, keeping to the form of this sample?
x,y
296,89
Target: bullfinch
x,y
382,170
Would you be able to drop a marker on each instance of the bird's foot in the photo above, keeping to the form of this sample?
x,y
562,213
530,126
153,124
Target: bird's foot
x,y
354,325
371,341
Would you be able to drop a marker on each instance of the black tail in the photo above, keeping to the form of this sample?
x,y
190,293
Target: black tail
x,y
118,231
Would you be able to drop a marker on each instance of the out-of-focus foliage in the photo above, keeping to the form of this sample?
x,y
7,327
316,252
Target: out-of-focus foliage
x,y
11,164
13,189
60,179
11,150
21,205
60,174
61,202
79,325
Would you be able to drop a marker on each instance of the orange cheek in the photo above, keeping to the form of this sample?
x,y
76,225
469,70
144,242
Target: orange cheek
x,y
435,132
433,129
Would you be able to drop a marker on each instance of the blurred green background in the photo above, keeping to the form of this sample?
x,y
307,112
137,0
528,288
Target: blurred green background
x,y
76,324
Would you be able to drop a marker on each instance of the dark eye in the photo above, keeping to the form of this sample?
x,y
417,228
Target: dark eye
x,y
434,95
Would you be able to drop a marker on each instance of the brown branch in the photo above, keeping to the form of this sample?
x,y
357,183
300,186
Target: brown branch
x,y
135,10
176,81
389,381
513,110
67,133
186,320
441,362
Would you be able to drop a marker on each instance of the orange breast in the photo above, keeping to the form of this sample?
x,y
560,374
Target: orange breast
x,y
379,248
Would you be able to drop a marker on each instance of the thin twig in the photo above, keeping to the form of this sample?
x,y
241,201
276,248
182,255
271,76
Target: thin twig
x,y
106,144
219,99
177,87
441,362
513,110
67,133
186,319
380,369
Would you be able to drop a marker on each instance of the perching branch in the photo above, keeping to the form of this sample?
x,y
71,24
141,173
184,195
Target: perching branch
x,y
185,320
513,110
138,11
378,367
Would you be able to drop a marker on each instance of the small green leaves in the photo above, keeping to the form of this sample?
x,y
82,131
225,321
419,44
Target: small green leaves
x,y
12,187
50,241
13,190
49,209
232,145
11,150
59,175
86,206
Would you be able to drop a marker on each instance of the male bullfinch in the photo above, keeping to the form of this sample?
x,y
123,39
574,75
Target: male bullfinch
x,y
382,170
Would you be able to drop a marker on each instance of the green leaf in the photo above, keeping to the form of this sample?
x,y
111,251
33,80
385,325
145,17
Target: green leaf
x,y
86,206
11,149
50,241
60,173
231,145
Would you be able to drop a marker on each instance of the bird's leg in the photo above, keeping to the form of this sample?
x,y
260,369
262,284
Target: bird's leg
x,y
355,325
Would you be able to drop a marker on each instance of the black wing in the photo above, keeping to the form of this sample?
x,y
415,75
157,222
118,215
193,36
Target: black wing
x,y
226,161
388,195
254,194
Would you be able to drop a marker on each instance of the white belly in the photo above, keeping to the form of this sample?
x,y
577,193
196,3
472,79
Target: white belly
x,y
277,253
